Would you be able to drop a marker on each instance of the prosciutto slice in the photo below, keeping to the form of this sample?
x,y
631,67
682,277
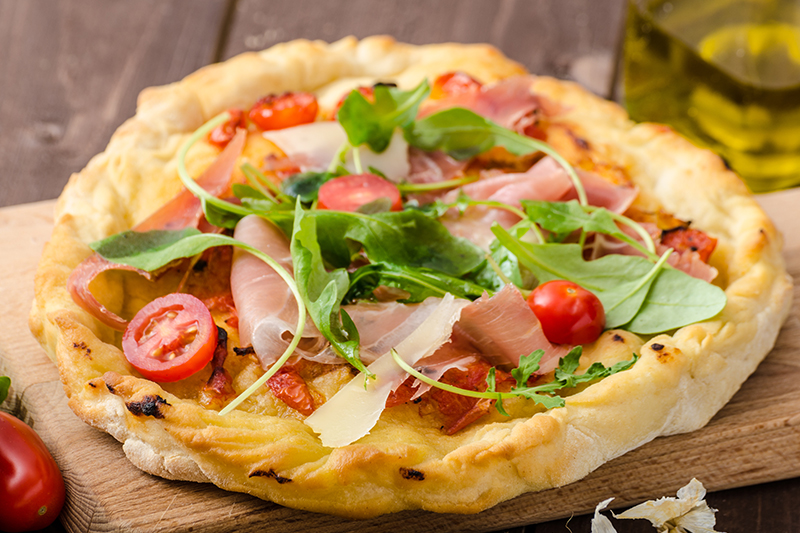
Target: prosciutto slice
x,y
503,328
505,102
267,308
183,211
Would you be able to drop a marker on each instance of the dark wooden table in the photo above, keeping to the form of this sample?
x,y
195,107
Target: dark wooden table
x,y
70,71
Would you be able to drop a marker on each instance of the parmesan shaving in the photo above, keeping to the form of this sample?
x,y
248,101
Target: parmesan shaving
x,y
353,411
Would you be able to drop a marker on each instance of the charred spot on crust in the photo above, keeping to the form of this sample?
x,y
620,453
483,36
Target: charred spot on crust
x,y
410,473
82,346
271,474
200,265
148,406
579,141
110,389
92,385
657,347
617,338
244,351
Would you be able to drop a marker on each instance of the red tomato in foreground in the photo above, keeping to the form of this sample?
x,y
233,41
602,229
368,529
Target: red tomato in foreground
x,y
275,112
569,313
31,486
348,193
170,338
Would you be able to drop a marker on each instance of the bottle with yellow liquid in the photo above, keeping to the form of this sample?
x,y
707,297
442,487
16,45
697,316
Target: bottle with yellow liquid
x,y
724,73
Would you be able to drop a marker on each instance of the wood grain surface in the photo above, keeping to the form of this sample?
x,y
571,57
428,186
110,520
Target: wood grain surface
x,y
754,439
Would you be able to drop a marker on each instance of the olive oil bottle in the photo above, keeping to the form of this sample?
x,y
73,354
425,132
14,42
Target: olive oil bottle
x,y
724,73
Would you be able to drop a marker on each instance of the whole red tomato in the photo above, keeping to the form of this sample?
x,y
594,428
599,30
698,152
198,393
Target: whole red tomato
x,y
569,313
31,486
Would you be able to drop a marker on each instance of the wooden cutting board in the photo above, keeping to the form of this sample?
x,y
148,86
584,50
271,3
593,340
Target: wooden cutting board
x,y
754,439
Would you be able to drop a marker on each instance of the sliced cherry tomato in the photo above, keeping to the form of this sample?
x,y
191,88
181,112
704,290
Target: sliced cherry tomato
x,y
31,486
569,314
275,112
685,239
348,193
170,338
222,134
454,83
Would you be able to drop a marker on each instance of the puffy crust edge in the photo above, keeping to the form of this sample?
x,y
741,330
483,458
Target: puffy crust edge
x,y
674,389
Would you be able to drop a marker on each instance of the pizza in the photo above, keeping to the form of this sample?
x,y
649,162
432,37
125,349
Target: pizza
x,y
363,277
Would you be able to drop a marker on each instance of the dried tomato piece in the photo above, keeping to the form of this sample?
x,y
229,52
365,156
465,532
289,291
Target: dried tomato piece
x,y
289,386
366,92
454,83
275,112
460,411
222,134
684,239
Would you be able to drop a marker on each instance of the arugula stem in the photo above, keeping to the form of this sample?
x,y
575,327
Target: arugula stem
x,y
338,157
252,172
649,248
204,196
407,188
301,323
643,281
256,184
549,150
357,160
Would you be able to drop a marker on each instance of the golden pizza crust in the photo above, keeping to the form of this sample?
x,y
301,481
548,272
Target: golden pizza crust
x,y
263,449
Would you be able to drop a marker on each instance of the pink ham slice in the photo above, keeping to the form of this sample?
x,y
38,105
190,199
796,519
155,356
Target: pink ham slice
x,y
503,328
505,102
183,211
265,304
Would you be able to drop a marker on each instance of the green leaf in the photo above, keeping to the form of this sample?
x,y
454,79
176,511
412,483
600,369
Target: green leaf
x,y
305,186
677,299
323,291
152,250
464,134
528,365
639,296
5,384
373,124
420,283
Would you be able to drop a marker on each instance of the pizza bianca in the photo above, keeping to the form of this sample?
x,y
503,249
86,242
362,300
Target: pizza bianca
x,y
365,277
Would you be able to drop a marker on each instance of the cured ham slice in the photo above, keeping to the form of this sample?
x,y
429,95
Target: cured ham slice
x,y
503,328
267,308
505,102
183,211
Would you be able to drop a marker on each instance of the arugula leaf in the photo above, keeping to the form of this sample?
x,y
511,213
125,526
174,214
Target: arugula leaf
x,y
152,250
626,285
528,365
323,291
5,384
420,283
374,123
305,186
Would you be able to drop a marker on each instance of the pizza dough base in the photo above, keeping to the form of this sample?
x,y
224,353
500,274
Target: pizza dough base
x,y
403,463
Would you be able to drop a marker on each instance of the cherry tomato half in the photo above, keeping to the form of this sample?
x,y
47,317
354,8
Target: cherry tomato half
x,y
170,338
454,83
348,193
275,112
222,134
31,486
569,314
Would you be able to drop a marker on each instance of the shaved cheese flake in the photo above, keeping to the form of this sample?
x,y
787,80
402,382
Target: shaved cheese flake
x,y
353,411
317,143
